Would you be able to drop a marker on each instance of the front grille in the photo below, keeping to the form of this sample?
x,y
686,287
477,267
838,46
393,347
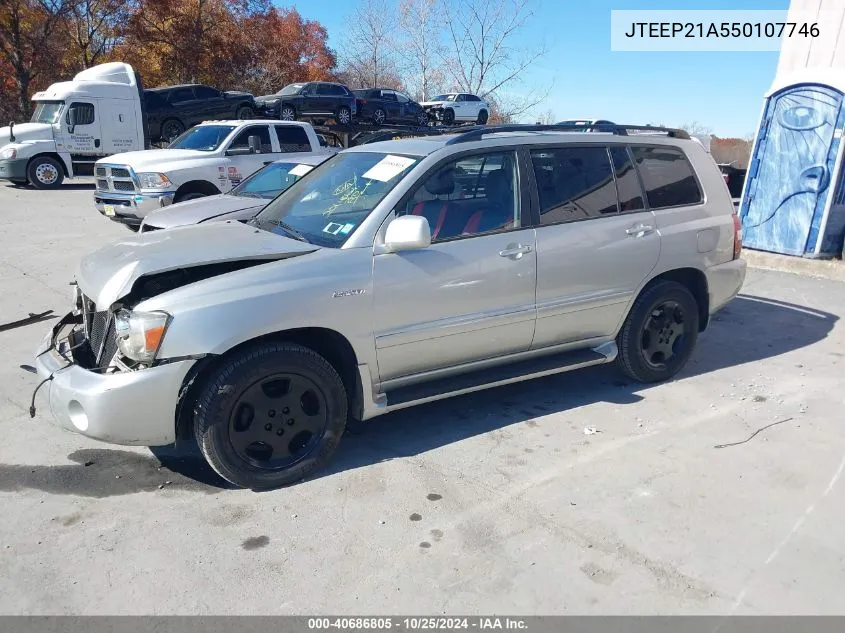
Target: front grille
x,y
119,172
114,179
102,339
123,185
101,171
102,185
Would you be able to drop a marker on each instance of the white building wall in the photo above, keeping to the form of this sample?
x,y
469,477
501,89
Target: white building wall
x,y
825,51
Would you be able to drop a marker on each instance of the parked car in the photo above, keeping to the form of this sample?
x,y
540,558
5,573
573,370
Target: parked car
x,y
394,274
382,105
590,125
457,107
173,109
315,101
208,159
242,202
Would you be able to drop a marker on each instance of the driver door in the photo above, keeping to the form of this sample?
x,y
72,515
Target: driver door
x,y
471,294
86,137
238,166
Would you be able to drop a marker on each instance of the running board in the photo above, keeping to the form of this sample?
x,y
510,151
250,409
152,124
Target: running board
x,y
499,375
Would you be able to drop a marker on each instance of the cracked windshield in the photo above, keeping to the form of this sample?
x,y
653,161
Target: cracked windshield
x,y
325,207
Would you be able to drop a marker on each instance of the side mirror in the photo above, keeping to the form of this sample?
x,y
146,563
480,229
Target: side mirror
x,y
407,233
239,151
254,144
71,120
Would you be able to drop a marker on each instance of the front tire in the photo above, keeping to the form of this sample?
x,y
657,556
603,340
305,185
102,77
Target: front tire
x,y
659,334
45,172
270,415
448,117
189,196
422,119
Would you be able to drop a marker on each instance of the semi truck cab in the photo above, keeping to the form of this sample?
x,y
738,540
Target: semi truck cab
x,y
75,123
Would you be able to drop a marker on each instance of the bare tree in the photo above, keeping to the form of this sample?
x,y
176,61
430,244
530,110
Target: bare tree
x,y
546,118
697,129
422,48
483,57
95,28
369,57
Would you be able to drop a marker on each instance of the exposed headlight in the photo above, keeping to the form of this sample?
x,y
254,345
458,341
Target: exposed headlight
x,y
151,180
8,153
139,334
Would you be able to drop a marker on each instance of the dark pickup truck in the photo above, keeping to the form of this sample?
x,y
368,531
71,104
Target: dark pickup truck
x,y
173,109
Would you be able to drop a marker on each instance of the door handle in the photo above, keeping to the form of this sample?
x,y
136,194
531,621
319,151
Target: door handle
x,y
639,230
515,251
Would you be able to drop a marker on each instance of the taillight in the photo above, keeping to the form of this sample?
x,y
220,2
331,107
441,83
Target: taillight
x,y
737,236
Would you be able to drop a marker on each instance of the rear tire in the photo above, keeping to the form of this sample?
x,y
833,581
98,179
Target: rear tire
x,y
482,117
659,334
45,172
344,116
245,113
270,415
379,116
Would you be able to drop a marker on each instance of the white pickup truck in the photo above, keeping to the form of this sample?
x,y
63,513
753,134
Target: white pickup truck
x,y
207,160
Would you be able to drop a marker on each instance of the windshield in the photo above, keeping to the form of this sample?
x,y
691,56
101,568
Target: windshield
x,y
290,89
47,112
327,205
444,98
205,138
272,180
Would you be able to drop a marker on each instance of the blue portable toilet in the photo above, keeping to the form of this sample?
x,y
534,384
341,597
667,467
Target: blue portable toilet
x,y
793,201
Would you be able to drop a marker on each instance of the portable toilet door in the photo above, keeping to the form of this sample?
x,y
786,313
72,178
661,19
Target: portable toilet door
x,y
788,189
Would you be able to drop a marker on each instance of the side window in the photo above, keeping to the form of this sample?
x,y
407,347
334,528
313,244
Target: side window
x,y
469,196
574,183
627,183
472,98
262,132
667,177
204,92
181,94
324,89
388,95
84,113
461,98
293,138
308,89
338,91
402,98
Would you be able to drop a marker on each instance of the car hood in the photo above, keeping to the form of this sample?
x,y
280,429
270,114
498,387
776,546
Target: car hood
x,y
108,274
267,98
27,132
431,103
222,207
237,93
157,158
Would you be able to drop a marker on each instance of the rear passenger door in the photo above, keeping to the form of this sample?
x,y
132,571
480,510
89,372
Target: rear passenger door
x,y
596,242
470,295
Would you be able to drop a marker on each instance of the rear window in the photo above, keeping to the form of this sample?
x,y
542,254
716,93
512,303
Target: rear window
x,y
293,138
667,176
574,183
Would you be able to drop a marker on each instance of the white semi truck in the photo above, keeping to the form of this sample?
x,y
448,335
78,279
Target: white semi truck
x,y
75,123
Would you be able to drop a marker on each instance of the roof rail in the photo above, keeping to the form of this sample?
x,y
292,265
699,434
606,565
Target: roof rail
x,y
615,128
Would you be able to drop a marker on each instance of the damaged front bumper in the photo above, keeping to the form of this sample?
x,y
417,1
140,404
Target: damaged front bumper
x,y
124,407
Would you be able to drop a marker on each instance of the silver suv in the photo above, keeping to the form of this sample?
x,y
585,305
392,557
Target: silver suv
x,y
395,274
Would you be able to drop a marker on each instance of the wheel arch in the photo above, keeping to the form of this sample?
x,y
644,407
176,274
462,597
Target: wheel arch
x,y
328,343
196,186
693,280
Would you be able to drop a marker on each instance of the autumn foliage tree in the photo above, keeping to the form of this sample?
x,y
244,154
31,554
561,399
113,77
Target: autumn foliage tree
x,y
231,44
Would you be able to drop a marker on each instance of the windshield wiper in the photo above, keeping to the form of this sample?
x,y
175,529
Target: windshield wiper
x,y
287,228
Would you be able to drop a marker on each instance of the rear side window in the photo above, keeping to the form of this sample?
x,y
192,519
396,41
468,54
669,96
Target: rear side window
x,y
204,92
153,100
293,138
574,183
181,94
667,177
627,183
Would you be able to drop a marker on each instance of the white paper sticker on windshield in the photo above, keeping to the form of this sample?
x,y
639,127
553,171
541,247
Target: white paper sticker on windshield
x,y
332,228
388,167
300,170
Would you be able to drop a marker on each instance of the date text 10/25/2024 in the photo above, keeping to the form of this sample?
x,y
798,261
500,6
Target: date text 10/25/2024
x,y
417,624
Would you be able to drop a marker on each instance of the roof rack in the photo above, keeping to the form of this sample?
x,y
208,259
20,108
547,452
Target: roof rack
x,y
363,133
620,130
